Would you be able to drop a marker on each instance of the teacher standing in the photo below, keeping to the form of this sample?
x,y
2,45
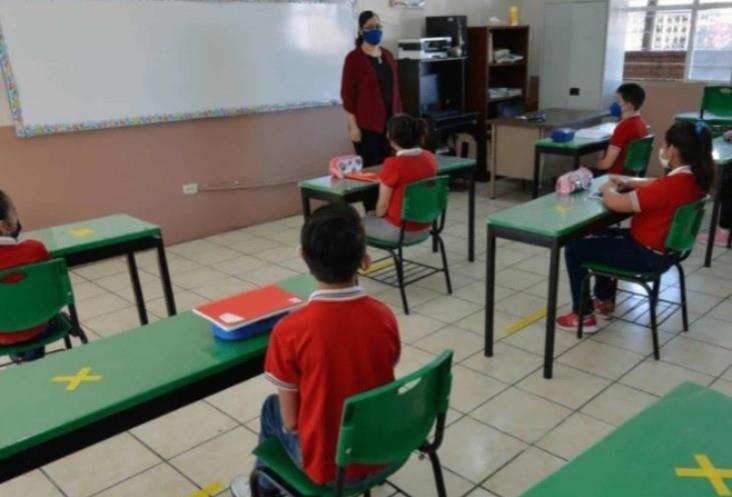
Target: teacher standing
x,y
370,91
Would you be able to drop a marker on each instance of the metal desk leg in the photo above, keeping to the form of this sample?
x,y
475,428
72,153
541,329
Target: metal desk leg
x,y
576,164
305,203
471,217
165,278
490,281
715,218
137,288
537,172
551,311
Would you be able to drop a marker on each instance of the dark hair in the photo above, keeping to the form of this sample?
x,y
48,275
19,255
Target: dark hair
x,y
4,206
406,131
694,143
333,243
633,93
363,18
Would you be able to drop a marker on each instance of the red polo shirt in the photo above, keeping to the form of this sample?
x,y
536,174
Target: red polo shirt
x,y
627,131
13,254
407,167
361,93
655,206
340,344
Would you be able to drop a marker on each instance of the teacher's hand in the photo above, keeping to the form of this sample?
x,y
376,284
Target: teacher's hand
x,y
355,133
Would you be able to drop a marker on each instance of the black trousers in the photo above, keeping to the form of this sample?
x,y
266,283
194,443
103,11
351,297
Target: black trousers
x,y
374,148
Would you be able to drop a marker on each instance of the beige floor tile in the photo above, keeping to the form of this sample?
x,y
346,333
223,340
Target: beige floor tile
x,y
230,237
480,492
618,404
518,280
298,265
243,401
265,229
221,254
411,360
289,237
162,480
268,274
659,377
470,389
524,472
150,290
416,478
463,343
184,301
600,359
241,265
711,330
698,303
86,289
121,281
415,326
630,336
697,356
118,321
475,292
436,282
724,386
447,309
33,484
279,254
475,450
177,266
508,363
253,246
101,269
532,339
521,305
100,466
723,311
522,414
219,459
706,283
577,434
224,288
199,277
570,387
416,296
192,249
183,429
99,305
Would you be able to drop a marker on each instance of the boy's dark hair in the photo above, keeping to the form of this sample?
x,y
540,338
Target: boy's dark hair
x,y
694,143
4,206
633,93
363,18
406,131
333,243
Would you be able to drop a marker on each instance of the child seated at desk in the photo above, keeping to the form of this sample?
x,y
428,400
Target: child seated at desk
x,y
629,99
14,253
410,164
687,157
342,343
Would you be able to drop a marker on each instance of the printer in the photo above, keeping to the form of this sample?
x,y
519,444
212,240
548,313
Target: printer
x,y
425,48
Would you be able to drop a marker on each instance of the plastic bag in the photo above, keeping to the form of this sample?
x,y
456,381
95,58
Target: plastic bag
x,y
574,181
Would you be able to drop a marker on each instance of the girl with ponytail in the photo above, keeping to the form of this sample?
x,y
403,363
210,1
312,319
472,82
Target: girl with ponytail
x,y
411,163
687,160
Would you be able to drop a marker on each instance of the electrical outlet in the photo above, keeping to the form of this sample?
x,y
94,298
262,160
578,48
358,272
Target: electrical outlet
x,y
190,188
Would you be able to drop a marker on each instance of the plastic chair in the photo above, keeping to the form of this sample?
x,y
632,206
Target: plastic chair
x,y
680,241
638,157
424,202
33,295
717,100
383,426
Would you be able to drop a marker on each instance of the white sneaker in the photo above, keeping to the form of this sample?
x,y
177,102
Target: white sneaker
x,y
239,486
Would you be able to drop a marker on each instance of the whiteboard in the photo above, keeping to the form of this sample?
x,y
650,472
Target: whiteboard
x,y
73,65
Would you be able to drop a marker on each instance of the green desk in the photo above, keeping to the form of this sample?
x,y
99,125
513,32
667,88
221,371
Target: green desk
x,y
722,158
709,118
575,149
145,373
550,221
107,237
329,189
657,453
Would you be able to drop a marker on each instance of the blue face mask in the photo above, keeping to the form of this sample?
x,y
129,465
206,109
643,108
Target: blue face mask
x,y
373,36
616,110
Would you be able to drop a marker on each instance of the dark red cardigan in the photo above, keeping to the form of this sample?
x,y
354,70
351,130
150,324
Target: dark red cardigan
x,y
360,90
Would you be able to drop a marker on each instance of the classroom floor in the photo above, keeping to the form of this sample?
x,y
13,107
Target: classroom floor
x,y
508,427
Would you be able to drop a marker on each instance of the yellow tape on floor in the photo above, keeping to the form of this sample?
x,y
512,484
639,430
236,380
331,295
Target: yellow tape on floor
x,y
377,266
524,322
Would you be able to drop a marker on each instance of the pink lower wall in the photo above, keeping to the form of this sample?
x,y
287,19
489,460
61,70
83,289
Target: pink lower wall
x,y
141,170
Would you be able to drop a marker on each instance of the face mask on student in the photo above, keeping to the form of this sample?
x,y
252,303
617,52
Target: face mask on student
x,y
616,110
373,36
664,161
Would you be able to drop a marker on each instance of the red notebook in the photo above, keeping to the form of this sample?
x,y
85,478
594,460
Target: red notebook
x,y
363,176
249,307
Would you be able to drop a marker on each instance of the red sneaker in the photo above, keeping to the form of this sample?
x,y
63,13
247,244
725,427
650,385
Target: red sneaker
x,y
569,322
605,308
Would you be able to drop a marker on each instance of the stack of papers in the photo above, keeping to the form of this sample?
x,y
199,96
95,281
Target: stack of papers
x,y
599,132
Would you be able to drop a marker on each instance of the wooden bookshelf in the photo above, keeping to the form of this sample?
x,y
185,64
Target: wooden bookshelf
x,y
485,73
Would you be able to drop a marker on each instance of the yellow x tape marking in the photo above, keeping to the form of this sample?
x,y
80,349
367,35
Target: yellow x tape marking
x,y
77,379
524,322
706,469
562,209
209,490
377,266
81,232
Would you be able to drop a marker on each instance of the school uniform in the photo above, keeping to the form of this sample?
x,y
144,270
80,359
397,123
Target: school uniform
x,y
640,248
407,167
627,131
341,343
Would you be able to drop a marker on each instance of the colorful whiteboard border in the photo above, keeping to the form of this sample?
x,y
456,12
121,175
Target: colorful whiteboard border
x,y
24,131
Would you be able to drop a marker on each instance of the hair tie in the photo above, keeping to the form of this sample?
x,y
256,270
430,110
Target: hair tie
x,y
699,127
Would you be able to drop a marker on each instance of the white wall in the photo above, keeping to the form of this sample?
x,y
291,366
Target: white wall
x,y
531,13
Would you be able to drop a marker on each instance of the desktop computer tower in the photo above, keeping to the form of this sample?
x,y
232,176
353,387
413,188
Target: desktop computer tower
x,y
455,27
